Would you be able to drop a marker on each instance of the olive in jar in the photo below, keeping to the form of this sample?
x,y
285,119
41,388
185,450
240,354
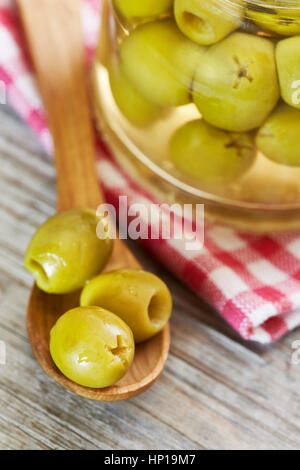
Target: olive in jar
x,y
135,10
159,61
278,139
288,65
236,86
207,21
134,106
284,21
211,155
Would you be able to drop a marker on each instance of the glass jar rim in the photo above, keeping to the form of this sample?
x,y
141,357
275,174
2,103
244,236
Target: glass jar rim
x,y
272,4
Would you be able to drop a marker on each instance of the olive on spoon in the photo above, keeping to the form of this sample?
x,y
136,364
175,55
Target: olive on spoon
x,y
54,34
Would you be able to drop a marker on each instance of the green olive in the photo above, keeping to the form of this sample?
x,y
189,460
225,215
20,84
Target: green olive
x,y
288,66
276,16
135,10
236,85
140,298
65,251
137,109
92,347
160,61
278,138
210,155
207,21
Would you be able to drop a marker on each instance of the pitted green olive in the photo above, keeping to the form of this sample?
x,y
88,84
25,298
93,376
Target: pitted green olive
x,y
140,298
288,66
236,85
210,155
65,251
92,347
207,21
279,137
135,10
137,109
160,61
277,16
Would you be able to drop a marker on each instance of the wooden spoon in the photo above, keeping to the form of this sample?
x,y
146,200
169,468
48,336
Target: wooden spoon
x,y
54,33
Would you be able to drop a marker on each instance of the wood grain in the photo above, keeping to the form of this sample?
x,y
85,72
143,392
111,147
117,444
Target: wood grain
x,y
55,40
217,392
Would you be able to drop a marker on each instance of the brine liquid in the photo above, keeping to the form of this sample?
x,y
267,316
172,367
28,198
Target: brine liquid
x,y
266,183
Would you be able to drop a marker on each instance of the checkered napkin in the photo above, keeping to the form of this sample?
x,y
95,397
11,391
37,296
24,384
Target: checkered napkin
x,y
253,281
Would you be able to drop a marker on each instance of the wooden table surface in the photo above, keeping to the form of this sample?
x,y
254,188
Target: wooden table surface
x,y
217,392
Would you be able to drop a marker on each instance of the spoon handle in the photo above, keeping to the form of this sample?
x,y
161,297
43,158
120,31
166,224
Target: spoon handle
x,y
54,33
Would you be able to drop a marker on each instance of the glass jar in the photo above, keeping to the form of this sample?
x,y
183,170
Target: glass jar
x,y
200,101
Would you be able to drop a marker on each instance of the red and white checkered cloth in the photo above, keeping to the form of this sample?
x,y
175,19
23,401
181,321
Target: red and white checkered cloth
x,y
253,281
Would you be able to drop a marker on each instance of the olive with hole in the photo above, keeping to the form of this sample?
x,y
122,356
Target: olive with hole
x,y
288,66
207,22
65,251
140,298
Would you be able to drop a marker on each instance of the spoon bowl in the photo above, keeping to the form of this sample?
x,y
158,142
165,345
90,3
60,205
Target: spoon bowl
x,y
150,357
54,35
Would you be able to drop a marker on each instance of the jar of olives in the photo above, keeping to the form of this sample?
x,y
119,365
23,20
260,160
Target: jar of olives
x,y
200,99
